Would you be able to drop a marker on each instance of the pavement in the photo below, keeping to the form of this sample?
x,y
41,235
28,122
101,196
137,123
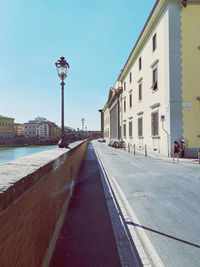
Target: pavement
x,y
157,155
160,199
86,238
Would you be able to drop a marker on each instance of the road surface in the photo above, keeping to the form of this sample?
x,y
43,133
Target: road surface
x,y
162,200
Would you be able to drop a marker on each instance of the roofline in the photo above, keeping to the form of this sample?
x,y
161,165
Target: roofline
x,y
3,117
143,29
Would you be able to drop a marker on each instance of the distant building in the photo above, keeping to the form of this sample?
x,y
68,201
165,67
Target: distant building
x,y
30,129
41,128
54,130
6,128
19,129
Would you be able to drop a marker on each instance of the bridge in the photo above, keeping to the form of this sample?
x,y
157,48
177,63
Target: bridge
x,y
93,205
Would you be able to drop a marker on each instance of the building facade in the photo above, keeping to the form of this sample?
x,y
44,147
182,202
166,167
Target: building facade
x,y
41,128
6,128
19,129
160,102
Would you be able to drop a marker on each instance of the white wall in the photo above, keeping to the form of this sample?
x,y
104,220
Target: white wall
x,y
150,98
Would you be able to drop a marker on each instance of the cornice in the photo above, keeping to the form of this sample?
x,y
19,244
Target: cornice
x,y
156,12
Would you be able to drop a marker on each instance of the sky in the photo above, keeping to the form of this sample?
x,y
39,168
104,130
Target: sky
x,y
95,37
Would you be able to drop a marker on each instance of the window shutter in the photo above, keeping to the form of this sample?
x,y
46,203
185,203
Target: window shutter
x,y
152,124
156,123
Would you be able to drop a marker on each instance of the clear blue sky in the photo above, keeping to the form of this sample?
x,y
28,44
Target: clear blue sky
x,y
95,37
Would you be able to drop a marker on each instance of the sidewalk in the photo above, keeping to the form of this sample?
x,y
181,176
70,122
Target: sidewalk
x,y
86,238
159,156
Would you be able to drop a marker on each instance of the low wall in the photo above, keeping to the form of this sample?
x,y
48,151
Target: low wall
x,y
34,196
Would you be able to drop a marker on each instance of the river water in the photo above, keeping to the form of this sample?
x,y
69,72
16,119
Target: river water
x,y
11,153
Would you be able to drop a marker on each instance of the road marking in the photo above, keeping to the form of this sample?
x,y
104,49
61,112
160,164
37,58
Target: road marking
x,y
145,249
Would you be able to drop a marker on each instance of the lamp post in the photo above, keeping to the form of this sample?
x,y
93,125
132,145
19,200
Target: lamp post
x,y
62,69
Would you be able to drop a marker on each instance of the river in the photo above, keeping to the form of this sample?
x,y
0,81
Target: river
x,y
11,153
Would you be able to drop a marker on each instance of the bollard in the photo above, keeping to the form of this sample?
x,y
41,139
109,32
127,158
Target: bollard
x,y
134,149
128,147
199,155
145,148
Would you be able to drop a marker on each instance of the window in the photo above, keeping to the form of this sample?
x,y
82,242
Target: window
x,y
155,78
140,128
154,123
154,40
140,63
124,130
124,105
130,77
140,92
124,86
130,100
130,129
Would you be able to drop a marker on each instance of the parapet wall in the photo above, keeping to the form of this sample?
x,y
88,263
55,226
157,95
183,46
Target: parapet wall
x,y
34,196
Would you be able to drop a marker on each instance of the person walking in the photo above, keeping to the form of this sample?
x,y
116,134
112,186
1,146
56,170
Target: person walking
x,y
176,150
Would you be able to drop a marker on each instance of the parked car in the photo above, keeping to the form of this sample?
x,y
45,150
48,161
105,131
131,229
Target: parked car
x,y
111,143
116,143
101,140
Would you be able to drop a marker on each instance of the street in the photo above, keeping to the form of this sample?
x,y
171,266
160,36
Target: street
x,y
164,196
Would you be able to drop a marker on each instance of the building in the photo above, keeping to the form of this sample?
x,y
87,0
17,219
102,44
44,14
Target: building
x,y
30,129
41,128
54,130
160,79
19,129
6,128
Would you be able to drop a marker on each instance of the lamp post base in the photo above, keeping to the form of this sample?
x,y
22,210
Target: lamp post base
x,y
63,143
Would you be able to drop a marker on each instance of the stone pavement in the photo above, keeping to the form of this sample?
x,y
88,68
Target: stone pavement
x,y
86,238
157,155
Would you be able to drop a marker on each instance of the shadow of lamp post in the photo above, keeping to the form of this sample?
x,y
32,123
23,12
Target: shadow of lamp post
x,y
62,69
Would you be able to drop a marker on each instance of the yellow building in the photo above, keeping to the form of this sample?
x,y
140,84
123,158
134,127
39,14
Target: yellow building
x,y
190,25
6,128
54,132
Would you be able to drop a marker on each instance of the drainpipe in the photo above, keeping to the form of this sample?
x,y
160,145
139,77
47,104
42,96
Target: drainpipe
x,y
167,137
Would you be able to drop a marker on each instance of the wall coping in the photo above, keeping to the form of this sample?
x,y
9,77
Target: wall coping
x,y
17,176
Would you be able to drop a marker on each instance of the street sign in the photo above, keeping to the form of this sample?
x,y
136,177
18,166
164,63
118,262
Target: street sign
x,y
162,117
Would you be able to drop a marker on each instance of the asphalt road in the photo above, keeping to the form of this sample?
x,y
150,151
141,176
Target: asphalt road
x,y
165,197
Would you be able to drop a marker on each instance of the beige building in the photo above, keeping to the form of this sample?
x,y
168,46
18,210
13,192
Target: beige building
x,y
158,105
19,129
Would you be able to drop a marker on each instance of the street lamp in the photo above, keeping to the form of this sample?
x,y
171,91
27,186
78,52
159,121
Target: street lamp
x,y
62,69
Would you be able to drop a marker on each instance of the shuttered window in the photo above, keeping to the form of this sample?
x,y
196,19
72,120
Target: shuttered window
x,y
140,92
130,129
140,63
124,105
155,79
125,130
154,42
154,124
130,77
130,100
124,86
140,127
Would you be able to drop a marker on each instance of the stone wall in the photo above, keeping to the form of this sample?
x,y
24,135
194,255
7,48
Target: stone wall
x,y
34,196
